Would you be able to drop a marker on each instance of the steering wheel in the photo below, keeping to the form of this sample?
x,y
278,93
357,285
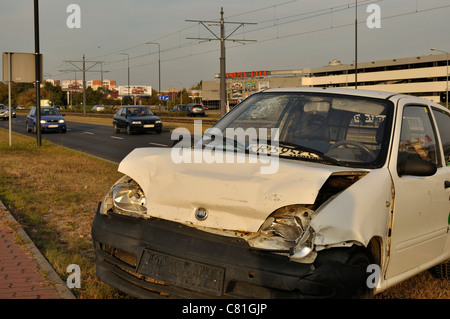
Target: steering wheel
x,y
354,143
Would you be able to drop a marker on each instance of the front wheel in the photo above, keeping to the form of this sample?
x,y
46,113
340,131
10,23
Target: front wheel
x,y
360,258
442,271
129,131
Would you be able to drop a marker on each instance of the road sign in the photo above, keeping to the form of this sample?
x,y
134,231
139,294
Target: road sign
x,y
163,98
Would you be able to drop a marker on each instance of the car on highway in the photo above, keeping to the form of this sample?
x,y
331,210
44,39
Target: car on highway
x,y
295,193
136,119
98,108
4,112
51,120
179,108
194,109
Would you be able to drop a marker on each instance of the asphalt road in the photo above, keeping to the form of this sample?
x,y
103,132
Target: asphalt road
x,y
97,140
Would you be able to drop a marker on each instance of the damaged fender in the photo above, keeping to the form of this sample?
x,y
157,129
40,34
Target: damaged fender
x,y
356,215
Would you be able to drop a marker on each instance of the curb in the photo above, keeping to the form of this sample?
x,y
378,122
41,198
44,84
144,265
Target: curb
x,y
42,262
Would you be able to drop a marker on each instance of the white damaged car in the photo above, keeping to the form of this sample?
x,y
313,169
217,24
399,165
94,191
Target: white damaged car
x,y
296,193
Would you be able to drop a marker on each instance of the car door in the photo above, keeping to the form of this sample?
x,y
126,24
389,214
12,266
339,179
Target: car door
x,y
442,118
30,117
421,204
121,121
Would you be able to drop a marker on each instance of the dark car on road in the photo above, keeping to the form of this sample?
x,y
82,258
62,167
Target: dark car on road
x,y
136,119
194,109
51,120
179,108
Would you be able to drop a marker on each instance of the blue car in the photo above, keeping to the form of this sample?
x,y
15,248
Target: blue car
x,y
51,120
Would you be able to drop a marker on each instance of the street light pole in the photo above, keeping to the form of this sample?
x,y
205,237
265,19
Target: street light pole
x,y
446,94
159,66
356,44
38,72
122,53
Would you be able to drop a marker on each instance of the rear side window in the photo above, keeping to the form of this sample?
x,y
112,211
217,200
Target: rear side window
x,y
417,138
443,124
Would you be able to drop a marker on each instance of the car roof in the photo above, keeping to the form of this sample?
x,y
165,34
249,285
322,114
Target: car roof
x,y
347,91
357,92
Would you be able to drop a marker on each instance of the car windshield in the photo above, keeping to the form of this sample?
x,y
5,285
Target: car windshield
x,y
49,111
138,111
331,129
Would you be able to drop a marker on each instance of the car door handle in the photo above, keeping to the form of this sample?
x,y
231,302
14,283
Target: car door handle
x,y
447,184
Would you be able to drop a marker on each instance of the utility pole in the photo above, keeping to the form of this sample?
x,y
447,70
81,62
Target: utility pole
x,y
38,72
84,70
222,38
356,44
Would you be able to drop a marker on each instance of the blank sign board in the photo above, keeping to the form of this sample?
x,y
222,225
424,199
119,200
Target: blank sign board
x,y
23,66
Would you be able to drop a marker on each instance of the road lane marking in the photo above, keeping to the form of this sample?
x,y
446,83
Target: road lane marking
x,y
90,133
157,144
117,138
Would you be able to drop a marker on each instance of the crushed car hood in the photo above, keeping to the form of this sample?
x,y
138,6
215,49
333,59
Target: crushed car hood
x,y
236,195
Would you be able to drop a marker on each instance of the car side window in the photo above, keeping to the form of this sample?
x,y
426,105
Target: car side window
x,y
443,124
417,137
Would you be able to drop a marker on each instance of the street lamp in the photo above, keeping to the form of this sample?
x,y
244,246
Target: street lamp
x,y
159,65
122,53
446,96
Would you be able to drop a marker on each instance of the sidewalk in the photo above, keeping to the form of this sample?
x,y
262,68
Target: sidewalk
x,y
24,272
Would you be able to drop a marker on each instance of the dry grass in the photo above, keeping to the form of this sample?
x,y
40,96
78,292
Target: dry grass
x,y
53,193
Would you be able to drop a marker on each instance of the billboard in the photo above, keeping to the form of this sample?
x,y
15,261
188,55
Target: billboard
x,y
135,90
72,85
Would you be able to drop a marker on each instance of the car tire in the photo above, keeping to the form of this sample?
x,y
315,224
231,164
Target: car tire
x,y
116,129
34,129
129,131
442,271
361,259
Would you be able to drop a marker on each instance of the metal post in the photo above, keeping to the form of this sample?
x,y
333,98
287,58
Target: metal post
x,y
159,65
356,44
222,66
38,72
84,85
9,97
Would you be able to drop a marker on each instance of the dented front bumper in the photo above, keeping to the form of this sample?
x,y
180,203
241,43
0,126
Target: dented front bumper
x,y
155,258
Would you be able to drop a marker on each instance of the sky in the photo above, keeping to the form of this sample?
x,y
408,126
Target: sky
x,y
278,34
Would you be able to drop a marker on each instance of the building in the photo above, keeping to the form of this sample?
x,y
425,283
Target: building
x,y
424,76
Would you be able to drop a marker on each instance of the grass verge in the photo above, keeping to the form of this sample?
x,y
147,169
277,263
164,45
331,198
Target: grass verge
x,y
53,193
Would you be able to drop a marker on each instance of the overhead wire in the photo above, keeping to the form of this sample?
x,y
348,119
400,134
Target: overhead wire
x,y
296,18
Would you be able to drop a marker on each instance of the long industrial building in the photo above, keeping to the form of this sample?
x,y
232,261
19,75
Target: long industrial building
x,y
424,76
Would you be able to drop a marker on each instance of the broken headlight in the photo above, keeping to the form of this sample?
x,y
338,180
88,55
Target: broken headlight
x,y
125,197
287,230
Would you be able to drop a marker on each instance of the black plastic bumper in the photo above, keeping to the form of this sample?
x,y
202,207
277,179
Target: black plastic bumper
x,y
155,258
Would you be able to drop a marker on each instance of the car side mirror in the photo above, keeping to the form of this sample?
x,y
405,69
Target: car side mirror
x,y
416,167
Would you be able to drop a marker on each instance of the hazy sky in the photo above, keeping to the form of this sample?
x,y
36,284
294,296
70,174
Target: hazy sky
x,y
289,34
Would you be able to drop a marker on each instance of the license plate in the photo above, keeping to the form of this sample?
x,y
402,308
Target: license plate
x,y
52,126
182,272
149,125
